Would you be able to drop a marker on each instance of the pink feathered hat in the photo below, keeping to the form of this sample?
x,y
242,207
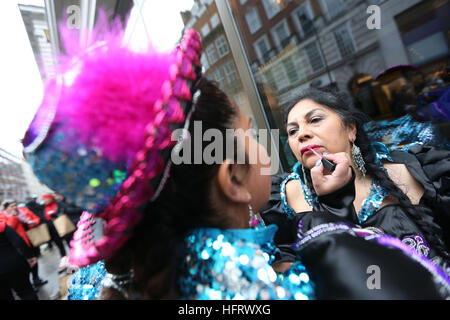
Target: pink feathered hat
x,y
102,135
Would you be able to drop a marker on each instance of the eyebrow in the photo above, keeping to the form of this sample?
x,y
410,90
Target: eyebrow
x,y
307,115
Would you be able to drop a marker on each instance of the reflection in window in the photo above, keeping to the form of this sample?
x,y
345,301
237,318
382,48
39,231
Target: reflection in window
x,y
230,71
281,34
314,56
270,79
222,46
218,76
304,20
344,40
291,71
215,20
271,7
280,76
263,49
205,30
429,48
211,53
252,18
204,62
333,7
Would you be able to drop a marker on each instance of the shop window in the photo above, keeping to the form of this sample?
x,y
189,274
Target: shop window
x,y
429,48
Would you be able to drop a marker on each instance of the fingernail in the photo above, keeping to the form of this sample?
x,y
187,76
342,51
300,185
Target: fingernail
x,y
325,153
318,162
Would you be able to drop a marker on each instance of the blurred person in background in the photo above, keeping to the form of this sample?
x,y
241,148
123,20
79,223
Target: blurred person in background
x,y
16,258
22,219
51,212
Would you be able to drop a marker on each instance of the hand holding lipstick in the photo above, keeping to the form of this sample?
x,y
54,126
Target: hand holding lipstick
x,y
325,183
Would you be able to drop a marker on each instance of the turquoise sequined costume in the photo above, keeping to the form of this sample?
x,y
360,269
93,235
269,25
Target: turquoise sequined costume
x,y
220,265
86,282
235,264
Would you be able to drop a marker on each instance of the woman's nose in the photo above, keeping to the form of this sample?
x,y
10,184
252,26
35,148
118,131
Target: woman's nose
x,y
304,134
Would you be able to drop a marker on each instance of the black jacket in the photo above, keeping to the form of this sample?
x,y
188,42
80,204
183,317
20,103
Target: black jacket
x,y
13,251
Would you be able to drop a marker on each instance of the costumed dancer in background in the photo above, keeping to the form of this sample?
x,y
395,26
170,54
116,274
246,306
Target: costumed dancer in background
x,y
172,228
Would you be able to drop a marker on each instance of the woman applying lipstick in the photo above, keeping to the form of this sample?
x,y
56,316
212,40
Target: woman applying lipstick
x,y
396,193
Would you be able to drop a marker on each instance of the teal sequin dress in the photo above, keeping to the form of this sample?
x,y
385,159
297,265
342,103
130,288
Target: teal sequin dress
x,y
236,264
220,265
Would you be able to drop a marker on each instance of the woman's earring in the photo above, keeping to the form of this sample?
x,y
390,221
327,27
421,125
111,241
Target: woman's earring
x,y
255,219
358,159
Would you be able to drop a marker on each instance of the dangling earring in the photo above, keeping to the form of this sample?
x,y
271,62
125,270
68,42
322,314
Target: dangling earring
x,y
304,173
358,159
255,219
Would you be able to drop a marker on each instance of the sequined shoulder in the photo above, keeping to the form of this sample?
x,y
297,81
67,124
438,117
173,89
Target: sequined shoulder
x,y
86,282
223,266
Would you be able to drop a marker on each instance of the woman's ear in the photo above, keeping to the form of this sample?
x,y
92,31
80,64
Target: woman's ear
x,y
351,132
233,181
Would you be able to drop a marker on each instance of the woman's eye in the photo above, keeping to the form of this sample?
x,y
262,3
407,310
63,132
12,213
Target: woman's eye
x,y
315,119
292,131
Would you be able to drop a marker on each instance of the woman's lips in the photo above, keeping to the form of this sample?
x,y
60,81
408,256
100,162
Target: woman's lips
x,y
306,150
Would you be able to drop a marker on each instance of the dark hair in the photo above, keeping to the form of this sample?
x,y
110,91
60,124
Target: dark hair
x,y
341,103
183,204
7,203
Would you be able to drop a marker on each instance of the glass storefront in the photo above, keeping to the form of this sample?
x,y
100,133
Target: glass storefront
x,y
388,55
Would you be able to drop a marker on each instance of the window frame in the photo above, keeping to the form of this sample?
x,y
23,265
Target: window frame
x,y
268,6
206,25
250,28
332,14
278,42
257,49
316,45
298,25
211,63
347,26
233,71
213,19
224,44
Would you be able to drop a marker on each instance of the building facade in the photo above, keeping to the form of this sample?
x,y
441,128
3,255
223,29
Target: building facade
x,y
35,21
217,59
13,184
291,45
